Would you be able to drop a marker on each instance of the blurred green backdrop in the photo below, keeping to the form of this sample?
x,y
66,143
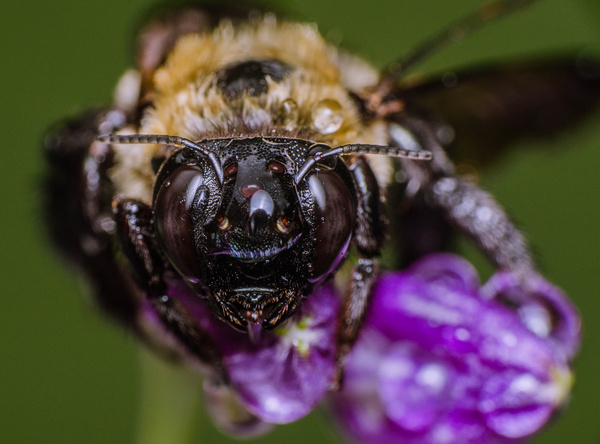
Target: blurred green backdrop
x,y
68,376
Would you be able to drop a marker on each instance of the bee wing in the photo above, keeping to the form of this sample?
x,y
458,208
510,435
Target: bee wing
x,y
488,110
491,108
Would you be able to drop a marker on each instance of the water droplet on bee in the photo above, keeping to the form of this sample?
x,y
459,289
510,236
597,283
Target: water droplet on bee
x,y
289,109
327,116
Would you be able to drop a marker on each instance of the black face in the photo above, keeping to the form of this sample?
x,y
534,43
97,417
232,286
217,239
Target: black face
x,y
257,242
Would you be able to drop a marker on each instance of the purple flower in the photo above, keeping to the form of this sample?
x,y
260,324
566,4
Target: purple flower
x,y
442,360
286,375
278,378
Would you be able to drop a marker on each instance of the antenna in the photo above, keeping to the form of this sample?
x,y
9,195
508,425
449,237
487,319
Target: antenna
x,y
161,139
457,31
360,148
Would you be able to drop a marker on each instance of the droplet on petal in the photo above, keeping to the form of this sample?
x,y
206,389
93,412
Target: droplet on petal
x,y
414,387
327,116
443,360
517,405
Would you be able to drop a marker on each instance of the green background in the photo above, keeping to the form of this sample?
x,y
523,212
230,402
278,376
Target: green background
x,y
67,375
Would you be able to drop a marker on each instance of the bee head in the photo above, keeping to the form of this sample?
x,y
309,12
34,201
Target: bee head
x,y
253,224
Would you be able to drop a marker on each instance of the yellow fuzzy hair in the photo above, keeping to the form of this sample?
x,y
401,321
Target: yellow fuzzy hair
x,y
188,103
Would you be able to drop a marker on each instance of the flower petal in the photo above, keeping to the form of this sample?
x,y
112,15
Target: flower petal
x,y
440,363
285,380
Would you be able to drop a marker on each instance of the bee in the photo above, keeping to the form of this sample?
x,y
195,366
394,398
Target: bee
x,y
246,158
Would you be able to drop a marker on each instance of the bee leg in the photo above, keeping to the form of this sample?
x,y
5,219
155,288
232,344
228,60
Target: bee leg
x,y
462,204
477,214
369,238
196,341
77,210
136,233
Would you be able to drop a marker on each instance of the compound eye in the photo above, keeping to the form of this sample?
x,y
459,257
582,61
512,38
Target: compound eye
x,y
181,204
334,222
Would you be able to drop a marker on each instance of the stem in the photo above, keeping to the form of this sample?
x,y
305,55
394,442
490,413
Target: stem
x,y
170,398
